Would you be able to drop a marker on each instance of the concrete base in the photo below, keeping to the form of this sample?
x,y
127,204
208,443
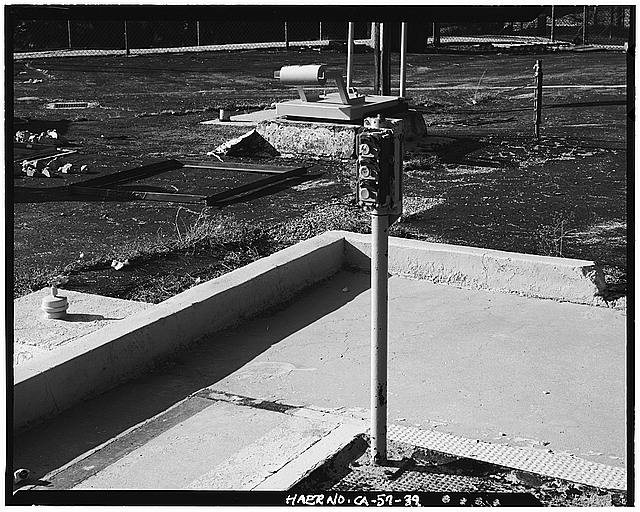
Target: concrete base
x,y
100,360
35,335
327,139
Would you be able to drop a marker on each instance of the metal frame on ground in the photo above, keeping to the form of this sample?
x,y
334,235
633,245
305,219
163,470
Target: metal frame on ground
x,y
105,187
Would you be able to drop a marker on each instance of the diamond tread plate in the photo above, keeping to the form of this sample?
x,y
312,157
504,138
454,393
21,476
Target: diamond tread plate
x,y
534,461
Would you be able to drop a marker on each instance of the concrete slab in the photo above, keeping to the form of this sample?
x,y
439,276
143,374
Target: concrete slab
x,y
209,444
249,119
35,335
481,364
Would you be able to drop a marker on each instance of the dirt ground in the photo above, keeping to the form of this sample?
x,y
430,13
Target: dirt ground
x,y
459,480
495,186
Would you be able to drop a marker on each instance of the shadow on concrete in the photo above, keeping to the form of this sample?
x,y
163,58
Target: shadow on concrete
x,y
52,444
85,317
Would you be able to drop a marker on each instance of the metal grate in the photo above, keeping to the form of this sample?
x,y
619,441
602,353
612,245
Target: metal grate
x,y
72,105
534,461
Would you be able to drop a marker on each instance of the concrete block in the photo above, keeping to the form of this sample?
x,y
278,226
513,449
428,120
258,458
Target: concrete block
x,y
102,359
310,138
546,277
35,335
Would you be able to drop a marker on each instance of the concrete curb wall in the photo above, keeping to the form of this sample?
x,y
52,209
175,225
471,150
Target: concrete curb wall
x,y
545,277
104,358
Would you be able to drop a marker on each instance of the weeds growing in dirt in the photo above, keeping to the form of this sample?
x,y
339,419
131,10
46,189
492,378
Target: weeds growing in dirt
x,y
552,237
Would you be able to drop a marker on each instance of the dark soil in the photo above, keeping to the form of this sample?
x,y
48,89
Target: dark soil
x,y
411,469
494,187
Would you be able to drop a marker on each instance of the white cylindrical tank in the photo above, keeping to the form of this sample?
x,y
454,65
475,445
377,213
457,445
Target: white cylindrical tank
x,y
309,74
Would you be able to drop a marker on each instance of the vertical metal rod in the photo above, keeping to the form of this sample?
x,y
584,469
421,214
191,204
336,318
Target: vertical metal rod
x,y
197,33
350,54
537,99
385,58
584,25
320,30
69,32
375,35
403,59
379,319
436,34
553,23
126,40
286,35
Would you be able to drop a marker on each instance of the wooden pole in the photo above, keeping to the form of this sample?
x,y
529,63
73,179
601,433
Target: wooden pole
x,y
553,23
69,33
537,99
436,33
584,25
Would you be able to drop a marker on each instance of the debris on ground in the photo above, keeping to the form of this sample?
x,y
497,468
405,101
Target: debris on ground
x,y
249,144
48,137
119,265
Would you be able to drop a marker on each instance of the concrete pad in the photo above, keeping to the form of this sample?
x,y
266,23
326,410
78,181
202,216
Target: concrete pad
x,y
222,447
100,360
35,335
484,365
250,119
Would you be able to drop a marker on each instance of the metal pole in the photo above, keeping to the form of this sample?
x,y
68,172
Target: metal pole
x,y
537,99
436,33
350,54
126,40
403,59
385,58
69,32
584,25
379,304
376,57
553,23
197,33
286,35
320,30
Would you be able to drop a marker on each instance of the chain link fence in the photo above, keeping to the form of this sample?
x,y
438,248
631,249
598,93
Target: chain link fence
x,y
599,26
604,26
33,38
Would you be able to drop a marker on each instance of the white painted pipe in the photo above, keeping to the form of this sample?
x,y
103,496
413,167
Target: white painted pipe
x,y
379,319
403,59
350,54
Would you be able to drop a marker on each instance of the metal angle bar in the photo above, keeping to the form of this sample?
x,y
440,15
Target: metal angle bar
x,y
118,193
133,174
255,185
240,167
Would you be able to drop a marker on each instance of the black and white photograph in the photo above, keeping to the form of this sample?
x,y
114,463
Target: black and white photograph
x,y
354,255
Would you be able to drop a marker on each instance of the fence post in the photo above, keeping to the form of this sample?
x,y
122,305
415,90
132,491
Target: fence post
x,y
69,32
584,25
553,23
197,33
537,98
126,40
286,35
320,30
436,33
